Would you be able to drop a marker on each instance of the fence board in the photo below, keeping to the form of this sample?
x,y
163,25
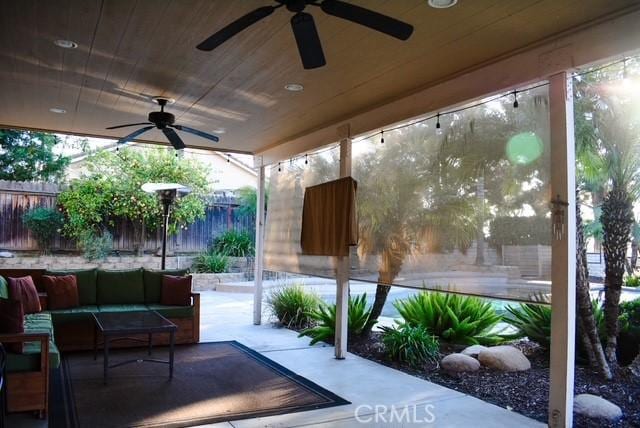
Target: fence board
x,y
16,198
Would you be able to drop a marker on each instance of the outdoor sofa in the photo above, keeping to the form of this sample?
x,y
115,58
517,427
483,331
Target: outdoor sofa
x,y
50,332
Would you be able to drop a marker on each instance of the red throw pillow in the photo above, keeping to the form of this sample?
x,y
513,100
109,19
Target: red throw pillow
x,y
11,322
62,291
176,290
24,290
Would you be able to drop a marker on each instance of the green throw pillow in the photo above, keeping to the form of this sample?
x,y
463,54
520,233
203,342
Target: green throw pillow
x,y
4,289
116,287
153,283
86,279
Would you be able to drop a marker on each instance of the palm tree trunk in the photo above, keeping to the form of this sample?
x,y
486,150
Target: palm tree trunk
x,y
586,322
480,245
635,244
390,266
617,219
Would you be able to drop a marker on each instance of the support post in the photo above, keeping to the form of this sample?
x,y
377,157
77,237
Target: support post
x,y
342,266
259,257
563,264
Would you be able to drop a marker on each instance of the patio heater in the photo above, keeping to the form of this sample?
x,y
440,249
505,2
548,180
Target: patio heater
x,y
167,193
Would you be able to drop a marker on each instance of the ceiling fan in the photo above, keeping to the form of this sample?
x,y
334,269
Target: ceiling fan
x,y
165,122
304,27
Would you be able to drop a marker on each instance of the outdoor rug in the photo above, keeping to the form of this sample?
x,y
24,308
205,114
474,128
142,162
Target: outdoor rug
x,y
213,382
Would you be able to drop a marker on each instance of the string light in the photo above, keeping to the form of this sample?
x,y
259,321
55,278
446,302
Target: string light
x,y
306,159
513,94
279,167
228,157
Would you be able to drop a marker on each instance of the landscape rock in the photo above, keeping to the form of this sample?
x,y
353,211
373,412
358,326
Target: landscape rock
x,y
459,363
596,407
504,358
473,350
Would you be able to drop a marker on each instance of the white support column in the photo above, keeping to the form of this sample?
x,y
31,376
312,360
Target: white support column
x,y
342,267
259,258
563,265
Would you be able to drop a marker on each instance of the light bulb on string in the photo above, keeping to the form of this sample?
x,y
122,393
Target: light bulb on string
x,y
279,167
438,128
515,99
228,158
382,137
306,159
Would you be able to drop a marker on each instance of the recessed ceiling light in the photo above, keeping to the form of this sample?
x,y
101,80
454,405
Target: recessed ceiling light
x,y
57,110
218,130
294,87
67,44
442,4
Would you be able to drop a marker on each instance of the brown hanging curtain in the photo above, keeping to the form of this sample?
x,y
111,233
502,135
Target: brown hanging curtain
x,y
329,219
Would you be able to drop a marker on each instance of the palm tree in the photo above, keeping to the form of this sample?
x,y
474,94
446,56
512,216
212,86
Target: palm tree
x,y
414,204
608,143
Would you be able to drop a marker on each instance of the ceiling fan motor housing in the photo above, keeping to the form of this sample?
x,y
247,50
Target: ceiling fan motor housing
x,y
161,119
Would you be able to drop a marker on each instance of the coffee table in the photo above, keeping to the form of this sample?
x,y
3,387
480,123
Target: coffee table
x,y
121,325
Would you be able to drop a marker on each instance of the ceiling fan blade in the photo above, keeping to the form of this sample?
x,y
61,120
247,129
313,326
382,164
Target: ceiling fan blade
x,y
134,134
235,27
128,124
173,138
368,18
196,132
309,46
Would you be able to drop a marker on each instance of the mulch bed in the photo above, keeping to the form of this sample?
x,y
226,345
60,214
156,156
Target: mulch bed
x,y
523,392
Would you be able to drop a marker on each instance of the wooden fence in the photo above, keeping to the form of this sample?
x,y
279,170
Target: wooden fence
x,y
16,198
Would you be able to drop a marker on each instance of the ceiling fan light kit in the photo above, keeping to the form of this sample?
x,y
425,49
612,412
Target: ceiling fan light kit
x,y
304,27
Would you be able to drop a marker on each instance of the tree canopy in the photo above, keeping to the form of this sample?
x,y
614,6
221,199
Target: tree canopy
x,y
29,156
111,191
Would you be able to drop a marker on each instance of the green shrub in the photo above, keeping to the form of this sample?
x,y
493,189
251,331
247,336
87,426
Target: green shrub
x,y
210,263
519,231
452,318
533,321
632,281
629,338
413,345
43,223
234,244
96,246
325,317
293,305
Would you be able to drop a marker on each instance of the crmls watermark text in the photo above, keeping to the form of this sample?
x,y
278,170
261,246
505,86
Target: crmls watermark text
x,y
380,413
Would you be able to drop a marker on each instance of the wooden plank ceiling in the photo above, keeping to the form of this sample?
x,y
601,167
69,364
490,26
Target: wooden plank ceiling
x,y
129,51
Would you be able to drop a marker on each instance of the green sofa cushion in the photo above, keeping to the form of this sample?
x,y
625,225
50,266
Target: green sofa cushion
x,y
117,287
122,308
29,360
4,288
153,283
172,311
81,313
86,278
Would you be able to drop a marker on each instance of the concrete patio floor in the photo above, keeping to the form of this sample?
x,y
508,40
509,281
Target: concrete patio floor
x,y
228,316
367,385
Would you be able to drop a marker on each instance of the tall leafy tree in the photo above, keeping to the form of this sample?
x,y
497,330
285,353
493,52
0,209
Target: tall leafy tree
x,y
111,191
29,156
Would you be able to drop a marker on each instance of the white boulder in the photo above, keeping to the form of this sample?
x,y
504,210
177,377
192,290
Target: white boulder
x,y
459,363
596,407
473,350
504,358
